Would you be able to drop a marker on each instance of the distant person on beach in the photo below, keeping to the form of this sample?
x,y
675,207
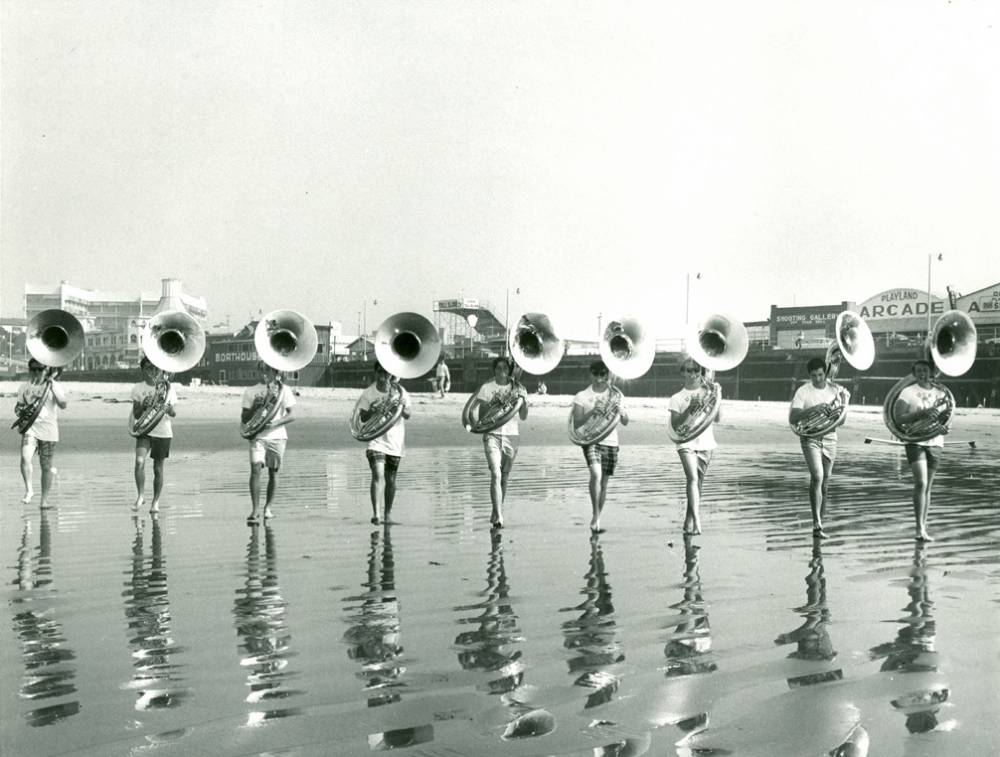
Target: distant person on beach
x,y
500,444
695,454
43,434
921,400
602,456
267,447
385,451
442,377
156,442
815,397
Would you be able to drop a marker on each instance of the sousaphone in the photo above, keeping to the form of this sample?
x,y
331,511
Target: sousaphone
x,y
407,345
54,338
718,342
174,342
627,348
536,348
286,341
853,342
951,346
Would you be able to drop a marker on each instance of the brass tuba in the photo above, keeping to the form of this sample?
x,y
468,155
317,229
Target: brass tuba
x,y
536,347
407,345
628,349
55,339
951,346
174,342
854,343
717,343
286,341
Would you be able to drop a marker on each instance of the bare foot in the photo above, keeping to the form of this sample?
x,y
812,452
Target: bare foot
x,y
375,520
253,520
819,533
43,505
268,514
923,536
155,507
27,496
139,502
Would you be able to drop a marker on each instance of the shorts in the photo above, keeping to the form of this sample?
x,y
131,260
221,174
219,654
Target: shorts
x,y
603,454
267,452
704,458
45,449
827,445
159,447
391,461
500,446
915,452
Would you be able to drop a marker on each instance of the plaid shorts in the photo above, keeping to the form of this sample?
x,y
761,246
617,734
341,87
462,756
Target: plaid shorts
x,y
603,454
391,461
45,449
826,444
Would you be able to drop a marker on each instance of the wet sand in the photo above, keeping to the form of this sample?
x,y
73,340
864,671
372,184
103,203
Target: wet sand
x,y
190,633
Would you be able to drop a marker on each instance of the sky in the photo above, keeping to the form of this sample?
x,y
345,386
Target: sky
x,y
573,158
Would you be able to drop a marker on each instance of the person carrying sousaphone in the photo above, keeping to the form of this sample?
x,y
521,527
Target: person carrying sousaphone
x,y
500,444
43,433
601,456
385,451
154,442
267,445
695,453
818,398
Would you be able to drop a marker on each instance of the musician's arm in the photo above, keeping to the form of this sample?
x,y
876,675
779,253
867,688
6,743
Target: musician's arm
x,y
580,415
523,412
283,420
905,413
171,401
59,395
407,407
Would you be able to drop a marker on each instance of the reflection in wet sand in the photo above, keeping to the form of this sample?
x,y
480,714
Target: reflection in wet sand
x,y
49,672
913,652
260,623
156,674
812,638
374,640
593,636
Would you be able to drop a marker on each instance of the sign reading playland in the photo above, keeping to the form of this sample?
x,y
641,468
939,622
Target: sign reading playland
x,y
900,303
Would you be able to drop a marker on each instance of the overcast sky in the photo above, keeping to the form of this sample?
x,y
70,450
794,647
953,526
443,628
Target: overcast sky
x,y
313,155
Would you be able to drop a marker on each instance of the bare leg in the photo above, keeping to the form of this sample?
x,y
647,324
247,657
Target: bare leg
x,y
378,496
272,486
27,472
692,518
48,475
498,486
157,485
255,469
923,476
595,496
825,488
814,461
390,493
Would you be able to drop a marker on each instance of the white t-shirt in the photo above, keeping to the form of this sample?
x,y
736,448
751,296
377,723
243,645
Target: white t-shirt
x,y
588,399
164,429
491,392
916,397
807,396
391,442
679,402
46,425
286,401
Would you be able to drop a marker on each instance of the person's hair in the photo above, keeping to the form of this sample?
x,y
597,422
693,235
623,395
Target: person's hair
x,y
598,368
144,362
35,365
816,362
501,359
379,368
921,361
685,362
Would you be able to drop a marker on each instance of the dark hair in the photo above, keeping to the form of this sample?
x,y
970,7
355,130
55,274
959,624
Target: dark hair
x,y
145,361
379,368
689,360
501,359
921,361
816,362
35,365
598,368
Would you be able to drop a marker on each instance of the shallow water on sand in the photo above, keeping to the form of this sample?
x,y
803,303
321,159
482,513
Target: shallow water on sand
x,y
320,634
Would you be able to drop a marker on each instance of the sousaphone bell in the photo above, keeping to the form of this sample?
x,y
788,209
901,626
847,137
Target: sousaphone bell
x,y
718,342
407,345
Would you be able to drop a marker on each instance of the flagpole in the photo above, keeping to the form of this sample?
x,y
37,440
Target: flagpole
x,y
928,295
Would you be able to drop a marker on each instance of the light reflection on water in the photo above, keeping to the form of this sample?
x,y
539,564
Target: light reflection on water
x,y
436,637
